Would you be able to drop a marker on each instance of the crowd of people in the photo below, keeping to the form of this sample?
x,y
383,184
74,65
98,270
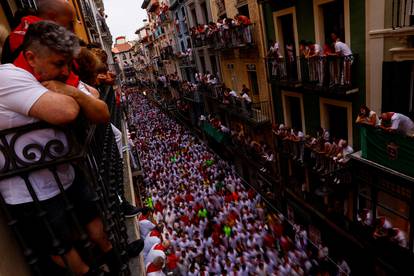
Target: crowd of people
x,y
201,219
225,32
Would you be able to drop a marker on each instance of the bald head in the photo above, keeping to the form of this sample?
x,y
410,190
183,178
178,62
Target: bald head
x,y
59,11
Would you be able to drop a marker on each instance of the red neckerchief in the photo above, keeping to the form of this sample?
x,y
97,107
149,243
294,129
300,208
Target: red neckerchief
x,y
21,62
143,217
16,37
159,247
155,233
152,268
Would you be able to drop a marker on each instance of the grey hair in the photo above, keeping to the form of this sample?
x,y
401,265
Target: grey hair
x,y
47,34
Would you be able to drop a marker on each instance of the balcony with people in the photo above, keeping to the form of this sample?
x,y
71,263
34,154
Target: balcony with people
x,y
167,52
330,70
241,106
62,186
224,34
387,140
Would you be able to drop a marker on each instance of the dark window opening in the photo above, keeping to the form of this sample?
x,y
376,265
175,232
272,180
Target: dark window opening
x,y
295,112
244,10
254,85
337,121
214,66
333,20
194,16
203,64
205,12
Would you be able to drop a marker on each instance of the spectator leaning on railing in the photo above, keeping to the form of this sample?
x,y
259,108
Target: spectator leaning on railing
x,y
35,76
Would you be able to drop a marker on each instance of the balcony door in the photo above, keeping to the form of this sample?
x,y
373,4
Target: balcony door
x,y
331,16
293,110
286,30
336,116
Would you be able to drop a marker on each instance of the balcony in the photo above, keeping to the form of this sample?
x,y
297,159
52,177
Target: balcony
x,y
390,150
235,37
92,152
186,61
192,96
329,74
167,53
258,113
165,17
158,32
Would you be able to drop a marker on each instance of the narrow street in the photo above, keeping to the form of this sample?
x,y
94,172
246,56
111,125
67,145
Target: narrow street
x,y
215,224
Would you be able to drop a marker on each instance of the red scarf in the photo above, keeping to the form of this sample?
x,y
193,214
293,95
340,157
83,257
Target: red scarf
x,y
155,233
152,268
143,217
16,39
159,247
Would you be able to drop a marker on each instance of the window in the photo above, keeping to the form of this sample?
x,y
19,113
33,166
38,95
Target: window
x,y
333,20
230,68
336,116
194,17
398,87
337,121
252,75
331,16
214,67
124,57
286,30
183,12
293,110
203,64
244,10
205,12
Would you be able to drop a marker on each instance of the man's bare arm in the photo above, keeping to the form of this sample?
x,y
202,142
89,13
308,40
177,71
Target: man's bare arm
x,y
94,109
55,108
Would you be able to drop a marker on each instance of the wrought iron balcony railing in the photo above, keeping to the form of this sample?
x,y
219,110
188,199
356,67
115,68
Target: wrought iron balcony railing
x,y
255,112
317,73
402,14
234,37
90,151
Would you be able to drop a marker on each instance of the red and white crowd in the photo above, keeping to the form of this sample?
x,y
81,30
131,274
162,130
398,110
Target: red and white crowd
x,y
202,220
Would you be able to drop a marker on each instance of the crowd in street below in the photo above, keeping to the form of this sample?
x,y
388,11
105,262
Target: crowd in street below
x,y
202,219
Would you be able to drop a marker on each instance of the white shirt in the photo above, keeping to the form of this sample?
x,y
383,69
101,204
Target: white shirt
x,y
318,50
342,49
145,226
19,90
246,98
233,93
402,123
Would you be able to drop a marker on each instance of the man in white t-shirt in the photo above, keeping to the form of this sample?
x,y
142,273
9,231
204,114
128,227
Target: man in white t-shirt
x,y
30,91
343,50
397,122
